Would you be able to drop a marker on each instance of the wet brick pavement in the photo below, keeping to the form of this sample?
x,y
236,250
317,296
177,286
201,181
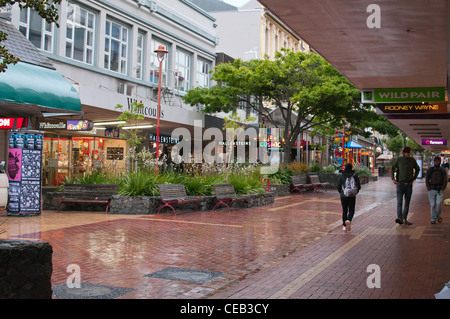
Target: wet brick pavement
x,y
294,248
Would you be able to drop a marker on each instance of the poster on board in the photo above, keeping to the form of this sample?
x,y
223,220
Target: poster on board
x,y
24,172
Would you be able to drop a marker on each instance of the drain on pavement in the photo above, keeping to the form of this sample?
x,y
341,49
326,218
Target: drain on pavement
x,y
183,274
89,291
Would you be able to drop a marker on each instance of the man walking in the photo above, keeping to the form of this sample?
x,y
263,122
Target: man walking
x,y
436,182
404,172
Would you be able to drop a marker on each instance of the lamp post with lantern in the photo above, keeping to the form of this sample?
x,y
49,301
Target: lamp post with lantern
x,y
160,53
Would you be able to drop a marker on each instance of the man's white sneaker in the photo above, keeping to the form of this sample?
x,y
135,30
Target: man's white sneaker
x,y
348,225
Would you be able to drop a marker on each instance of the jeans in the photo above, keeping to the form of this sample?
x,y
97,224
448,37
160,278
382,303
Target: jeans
x,y
435,198
406,191
348,208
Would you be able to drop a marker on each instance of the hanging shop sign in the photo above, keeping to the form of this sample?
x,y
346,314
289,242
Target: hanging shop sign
x,y
70,125
24,172
79,125
7,123
434,142
403,95
438,107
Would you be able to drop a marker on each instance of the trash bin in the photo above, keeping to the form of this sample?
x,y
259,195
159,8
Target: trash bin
x,y
380,170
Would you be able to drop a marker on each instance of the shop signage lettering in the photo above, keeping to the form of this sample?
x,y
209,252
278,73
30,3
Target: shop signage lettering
x,y
52,125
7,123
392,95
146,111
164,139
223,143
434,142
270,144
414,108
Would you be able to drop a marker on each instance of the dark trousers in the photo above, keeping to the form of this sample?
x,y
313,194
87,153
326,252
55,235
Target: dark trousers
x,y
348,208
403,190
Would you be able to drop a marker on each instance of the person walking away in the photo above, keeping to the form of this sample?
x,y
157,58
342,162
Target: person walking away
x,y
404,172
436,182
348,186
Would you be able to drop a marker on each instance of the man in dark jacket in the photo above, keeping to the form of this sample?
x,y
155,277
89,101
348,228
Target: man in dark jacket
x,y
404,172
436,182
348,186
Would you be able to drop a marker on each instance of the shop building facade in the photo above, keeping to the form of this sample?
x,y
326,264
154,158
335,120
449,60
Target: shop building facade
x,y
105,50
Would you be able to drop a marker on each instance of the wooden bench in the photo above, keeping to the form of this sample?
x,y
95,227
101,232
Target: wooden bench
x,y
86,193
299,182
315,182
176,194
225,193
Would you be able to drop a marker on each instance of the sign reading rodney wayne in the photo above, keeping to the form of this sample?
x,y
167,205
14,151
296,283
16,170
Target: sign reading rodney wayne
x,y
405,95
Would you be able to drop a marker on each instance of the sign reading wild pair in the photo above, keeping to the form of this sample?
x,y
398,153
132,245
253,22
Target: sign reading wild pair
x,y
403,95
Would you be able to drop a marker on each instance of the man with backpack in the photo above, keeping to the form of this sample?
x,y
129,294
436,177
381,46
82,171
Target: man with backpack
x,y
404,172
436,182
348,186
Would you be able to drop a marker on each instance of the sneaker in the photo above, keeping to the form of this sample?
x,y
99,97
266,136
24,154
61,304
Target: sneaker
x,y
407,223
399,221
344,228
348,225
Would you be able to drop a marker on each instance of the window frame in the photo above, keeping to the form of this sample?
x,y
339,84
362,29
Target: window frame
x,y
122,62
89,33
44,33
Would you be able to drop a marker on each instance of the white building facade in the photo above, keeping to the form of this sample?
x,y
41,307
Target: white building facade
x,y
105,50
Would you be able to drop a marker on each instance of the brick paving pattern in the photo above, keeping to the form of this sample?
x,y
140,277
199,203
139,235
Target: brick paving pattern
x,y
292,249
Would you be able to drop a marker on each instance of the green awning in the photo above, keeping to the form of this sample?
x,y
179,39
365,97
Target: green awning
x,y
31,84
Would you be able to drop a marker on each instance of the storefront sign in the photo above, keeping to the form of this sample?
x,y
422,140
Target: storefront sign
x,y
7,123
79,125
164,139
438,107
70,125
146,110
403,95
434,142
61,125
409,95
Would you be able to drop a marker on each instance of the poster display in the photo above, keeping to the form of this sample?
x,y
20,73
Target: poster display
x,y
24,172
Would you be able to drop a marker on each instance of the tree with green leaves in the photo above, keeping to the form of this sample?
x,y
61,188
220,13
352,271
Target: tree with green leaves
x,y
47,9
304,89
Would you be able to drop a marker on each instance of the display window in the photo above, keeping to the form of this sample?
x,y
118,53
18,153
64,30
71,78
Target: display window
x,y
67,157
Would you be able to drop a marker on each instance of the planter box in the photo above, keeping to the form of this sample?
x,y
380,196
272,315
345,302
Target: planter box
x,y
142,205
280,189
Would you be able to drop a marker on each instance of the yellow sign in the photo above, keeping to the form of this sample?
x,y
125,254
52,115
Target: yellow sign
x,y
438,107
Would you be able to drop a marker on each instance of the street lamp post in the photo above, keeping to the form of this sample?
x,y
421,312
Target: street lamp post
x,y
160,53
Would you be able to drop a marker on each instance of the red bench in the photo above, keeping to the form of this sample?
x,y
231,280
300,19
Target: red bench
x,y
172,194
225,194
